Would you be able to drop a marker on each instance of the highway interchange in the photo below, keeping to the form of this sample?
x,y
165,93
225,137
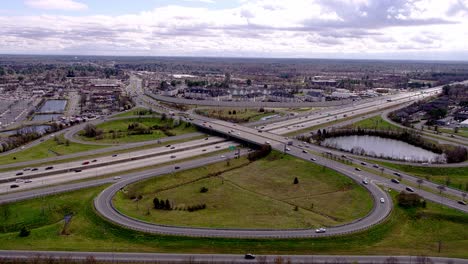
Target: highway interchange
x,y
267,134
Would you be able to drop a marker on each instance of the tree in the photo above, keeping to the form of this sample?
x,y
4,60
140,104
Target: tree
x,y
167,205
296,181
163,116
249,82
420,182
441,189
156,203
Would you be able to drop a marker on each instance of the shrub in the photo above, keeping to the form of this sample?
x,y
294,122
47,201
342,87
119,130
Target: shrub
x,y
203,189
24,232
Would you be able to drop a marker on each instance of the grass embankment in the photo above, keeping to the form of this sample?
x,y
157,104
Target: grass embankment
x,y
376,123
47,149
251,195
117,131
462,132
407,232
138,111
456,177
236,115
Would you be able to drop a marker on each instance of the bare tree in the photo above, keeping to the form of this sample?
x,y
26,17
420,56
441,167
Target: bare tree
x,y
420,182
441,189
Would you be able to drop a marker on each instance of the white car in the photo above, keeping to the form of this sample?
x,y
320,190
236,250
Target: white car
x,y
320,230
267,142
382,200
288,149
117,178
222,156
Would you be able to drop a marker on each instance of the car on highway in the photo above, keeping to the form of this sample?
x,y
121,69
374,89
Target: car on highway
x,y
14,186
363,163
382,200
375,166
267,142
115,155
77,170
172,147
173,157
27,181
304,151
206,138
397,174
365,181
313,159
117,178
203,150
320,230
260,131
395,181
85,163
249,256
358,169
94,160
19,174
176,167
49,168
26,169
462,202
168,146
34,169
409,189
222,156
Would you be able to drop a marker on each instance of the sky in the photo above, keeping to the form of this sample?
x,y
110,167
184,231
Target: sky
x,y
351,29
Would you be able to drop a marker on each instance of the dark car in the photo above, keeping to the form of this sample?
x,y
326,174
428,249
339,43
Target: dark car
x,y
462,202
176,167
395,181
34,169
168,146
19,174
115,155
363,163
49,168
77,170
95,160
249,256
85,163
14,186
397,174
358,169
409,189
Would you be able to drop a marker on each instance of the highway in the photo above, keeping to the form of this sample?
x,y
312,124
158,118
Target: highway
x,y
225,258
73,171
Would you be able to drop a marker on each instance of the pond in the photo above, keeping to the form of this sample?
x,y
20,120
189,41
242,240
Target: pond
x,y
53,106
382,147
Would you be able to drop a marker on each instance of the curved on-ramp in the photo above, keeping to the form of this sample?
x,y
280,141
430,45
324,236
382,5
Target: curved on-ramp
x,y
104,206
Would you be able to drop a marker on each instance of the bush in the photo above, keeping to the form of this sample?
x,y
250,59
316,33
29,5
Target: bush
x,y
24,232
410,200
203,189
296,181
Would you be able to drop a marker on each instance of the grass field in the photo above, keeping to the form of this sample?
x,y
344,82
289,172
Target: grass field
x,y
457,176
252,195
406,232
46,149
121,127
238,115
462,132
376,123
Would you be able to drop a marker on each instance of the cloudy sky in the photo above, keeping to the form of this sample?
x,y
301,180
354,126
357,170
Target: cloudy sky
x,y
367,29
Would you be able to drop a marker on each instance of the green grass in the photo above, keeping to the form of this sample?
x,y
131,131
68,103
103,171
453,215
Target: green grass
x,y
376,123
251,195
242,114
406,232
462,132
458,176
47,149
122,127
135,112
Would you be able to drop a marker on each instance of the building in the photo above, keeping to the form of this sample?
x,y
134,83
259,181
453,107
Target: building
x,y
464,124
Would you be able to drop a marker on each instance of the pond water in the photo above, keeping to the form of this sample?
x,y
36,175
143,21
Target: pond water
x,y
382,147
53,106
47,117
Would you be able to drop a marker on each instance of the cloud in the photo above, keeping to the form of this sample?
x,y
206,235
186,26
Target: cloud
x,y
56,4
253,28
